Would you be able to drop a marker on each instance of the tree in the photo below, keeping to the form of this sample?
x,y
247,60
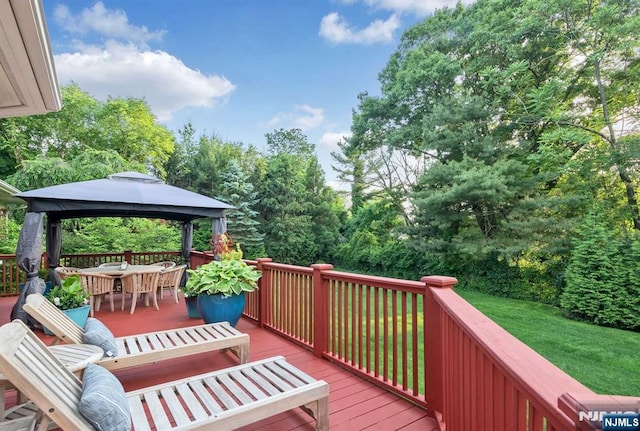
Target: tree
x,y
242,221
287,224
291,141
326,211
288,236
126,126
602,285
129,127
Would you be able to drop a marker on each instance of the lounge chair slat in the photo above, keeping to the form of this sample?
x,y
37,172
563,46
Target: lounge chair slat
x,y
255,391
259,380
164,340
138,415
285,375
194,335
156,410
221,393
192,402
205,397
122,347
304,377
176,340
234,388
274,379
143,344
132,345
154,341
173,405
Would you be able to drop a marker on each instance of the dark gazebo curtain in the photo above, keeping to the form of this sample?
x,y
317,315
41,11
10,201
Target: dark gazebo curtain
x,y
54,247
187,242
28,256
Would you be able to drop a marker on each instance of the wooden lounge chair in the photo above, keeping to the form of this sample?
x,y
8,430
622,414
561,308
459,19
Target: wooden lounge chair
x,y
225,399
141,349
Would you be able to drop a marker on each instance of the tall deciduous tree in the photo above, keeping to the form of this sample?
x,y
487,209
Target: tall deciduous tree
x,y
126,126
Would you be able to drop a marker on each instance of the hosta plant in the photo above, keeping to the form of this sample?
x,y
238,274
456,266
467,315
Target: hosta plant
x,y
228,277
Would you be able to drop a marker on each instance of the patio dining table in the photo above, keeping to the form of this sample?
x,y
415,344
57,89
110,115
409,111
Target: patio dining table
x,y
117,271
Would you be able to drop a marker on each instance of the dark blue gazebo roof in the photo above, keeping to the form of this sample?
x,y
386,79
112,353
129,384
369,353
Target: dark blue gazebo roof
x,y
126,194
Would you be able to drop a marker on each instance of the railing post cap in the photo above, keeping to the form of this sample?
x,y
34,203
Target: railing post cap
x,y
322,266
264,259
440,281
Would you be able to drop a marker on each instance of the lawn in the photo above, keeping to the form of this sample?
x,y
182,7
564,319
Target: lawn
x,y
606,360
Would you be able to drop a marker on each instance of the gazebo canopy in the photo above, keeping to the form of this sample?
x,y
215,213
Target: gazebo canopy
x,y
126,194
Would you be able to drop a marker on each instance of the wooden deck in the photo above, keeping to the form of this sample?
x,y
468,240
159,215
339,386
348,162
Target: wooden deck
x,y
354,404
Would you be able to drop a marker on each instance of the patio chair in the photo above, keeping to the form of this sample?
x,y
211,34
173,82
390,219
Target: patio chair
x,y
140,283
65,271
165,264
170,279
224,399
97,285
148,348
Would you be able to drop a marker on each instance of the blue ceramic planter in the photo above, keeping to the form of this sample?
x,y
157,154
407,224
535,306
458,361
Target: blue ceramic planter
x,y
192,307
78,315
220,308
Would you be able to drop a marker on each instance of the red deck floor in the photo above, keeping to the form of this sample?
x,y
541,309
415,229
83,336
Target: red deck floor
x,y
354,404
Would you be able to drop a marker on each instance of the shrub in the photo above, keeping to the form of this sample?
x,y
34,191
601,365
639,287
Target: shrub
x,y
602,282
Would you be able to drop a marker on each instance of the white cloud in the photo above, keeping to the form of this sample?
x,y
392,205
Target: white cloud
x,y
305,118
329,141
313,118
415,7
100,20
336,29
124,66
163,80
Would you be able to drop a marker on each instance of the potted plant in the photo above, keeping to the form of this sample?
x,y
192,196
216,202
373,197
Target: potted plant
x,y
72,298
221,286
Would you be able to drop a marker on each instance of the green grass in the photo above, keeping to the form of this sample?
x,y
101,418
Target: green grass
x,y
606,360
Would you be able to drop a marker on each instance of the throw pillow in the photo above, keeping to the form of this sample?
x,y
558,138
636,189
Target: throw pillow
x,y
99,335
103,401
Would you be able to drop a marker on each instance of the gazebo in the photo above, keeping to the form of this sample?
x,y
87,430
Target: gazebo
x,y
125,194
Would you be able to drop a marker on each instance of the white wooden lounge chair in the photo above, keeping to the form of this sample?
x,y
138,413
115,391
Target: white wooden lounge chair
x,y
223,400
141,349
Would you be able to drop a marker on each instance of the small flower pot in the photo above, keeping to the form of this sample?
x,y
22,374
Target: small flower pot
x,y
220,308
78,315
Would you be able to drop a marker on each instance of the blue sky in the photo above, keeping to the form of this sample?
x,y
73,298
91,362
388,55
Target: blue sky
x,y
234,68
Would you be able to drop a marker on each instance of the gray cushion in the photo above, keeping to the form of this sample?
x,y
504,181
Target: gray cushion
x,y
99,335
103,401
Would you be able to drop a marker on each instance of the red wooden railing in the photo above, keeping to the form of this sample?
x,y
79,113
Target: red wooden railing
x,y
11,276
418,339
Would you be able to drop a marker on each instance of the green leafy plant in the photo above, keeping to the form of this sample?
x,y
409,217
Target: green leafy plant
x,y
229,277
70,294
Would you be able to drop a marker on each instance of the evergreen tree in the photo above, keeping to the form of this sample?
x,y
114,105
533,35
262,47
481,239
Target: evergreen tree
x,y
242,223
602,283
323,205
